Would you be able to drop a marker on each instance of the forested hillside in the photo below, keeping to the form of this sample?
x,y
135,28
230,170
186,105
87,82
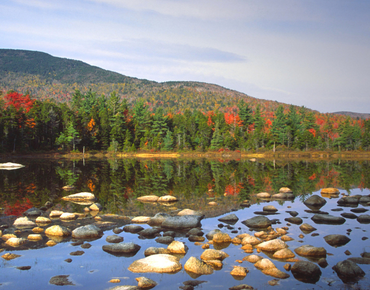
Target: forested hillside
x,y
50,103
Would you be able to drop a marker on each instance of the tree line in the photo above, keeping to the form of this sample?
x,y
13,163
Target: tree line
x,y
110,123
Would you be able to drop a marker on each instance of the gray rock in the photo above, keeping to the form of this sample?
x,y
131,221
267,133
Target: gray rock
x,y
363,219
306,272
359,260
210,235
158,219
336,240
306,228
364,199
230,219
114,239
165,240
315,201
24,222
87,232
257,222
293,213
359,210
349,215
328,219
60,280
182,222
122,249
348,271
133,228
294,220
32,212
346,200
195,232
149,233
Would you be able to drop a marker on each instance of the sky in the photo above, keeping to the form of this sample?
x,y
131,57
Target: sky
x,y
312,53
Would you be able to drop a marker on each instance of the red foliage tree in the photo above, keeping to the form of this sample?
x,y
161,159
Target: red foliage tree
x,y
18,101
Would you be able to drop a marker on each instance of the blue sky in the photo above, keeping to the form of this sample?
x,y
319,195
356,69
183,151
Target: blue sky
x,y
312,53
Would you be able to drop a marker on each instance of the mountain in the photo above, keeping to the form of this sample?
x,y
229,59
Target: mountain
x,y
44,76
353,114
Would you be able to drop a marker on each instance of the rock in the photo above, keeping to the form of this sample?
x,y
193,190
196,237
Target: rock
x,y
188,212
60,280
283,254
165,240
359,260
55,213
349,215
239,271
305,271
323,263
294,220
82,196
348,271
167,198
359,210
149,233
364,199
257,222
10,256
241,287
34,237
194,232
336,240
194,238
275,272
330,190
182,222
211,254
122,249
308,250
306,228
43,220
283,195
315,202
270,208
272,246
32,212
57,230
161,263
10,166
155,251
264,264
230,219
285,190
363,219
198,267
126,287
145,283
252,258
292,213
133,228
348,200
50,243
96,207
212,203
221,238
365,254
287,266
158,219
23,222
114,239
87,232
286,238
210,235
328,219
68,216
68,187
114,281
77,253
141,219
177,247
148,198
263,195
248,239
86,246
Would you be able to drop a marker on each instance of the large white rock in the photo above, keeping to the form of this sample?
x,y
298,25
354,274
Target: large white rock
x,y
23,222
161,263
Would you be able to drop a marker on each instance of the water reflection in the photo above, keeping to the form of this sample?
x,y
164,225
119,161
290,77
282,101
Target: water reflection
x,y
115,181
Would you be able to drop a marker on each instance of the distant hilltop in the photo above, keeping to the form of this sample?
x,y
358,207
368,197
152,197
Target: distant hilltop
x,y
353,114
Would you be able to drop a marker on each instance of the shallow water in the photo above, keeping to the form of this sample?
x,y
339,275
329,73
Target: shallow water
x,y
95,267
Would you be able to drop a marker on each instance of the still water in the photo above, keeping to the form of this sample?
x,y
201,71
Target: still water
x,y
117,184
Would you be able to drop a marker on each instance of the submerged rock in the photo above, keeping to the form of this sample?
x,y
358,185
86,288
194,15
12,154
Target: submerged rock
x,y
145,283
336,240
306,272
61,280
348,271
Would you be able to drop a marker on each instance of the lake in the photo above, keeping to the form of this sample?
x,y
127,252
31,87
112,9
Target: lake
x,y
117,183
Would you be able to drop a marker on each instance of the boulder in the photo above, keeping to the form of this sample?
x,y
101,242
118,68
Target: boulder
x,y
221,238
349,215
87,232
82,196
145,283
328,219
272,246
211,254
161,263
158,219
148,198
60,280
363,219
122,249
248,239
275,272
164,240
140,219
155,251
252,258
336,240
210,235
32,212
294,220
348,200
306,271
283,195
177,247
285,190
264,264
34,237
195,232
308,250
10,166
10,256
348,271
167,198
306,228
283,254
182,222
263,195
68,216
315,201
15,242
55,213
364,199
150,233
96,207
230,219
114,239
43,220
257,222
133,228
239,271
58,231
23,222
189,212
196,266
241,287
270,208
360,260
293,213
330,190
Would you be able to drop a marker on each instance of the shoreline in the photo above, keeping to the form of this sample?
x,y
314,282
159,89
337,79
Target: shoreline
x,y
229,155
